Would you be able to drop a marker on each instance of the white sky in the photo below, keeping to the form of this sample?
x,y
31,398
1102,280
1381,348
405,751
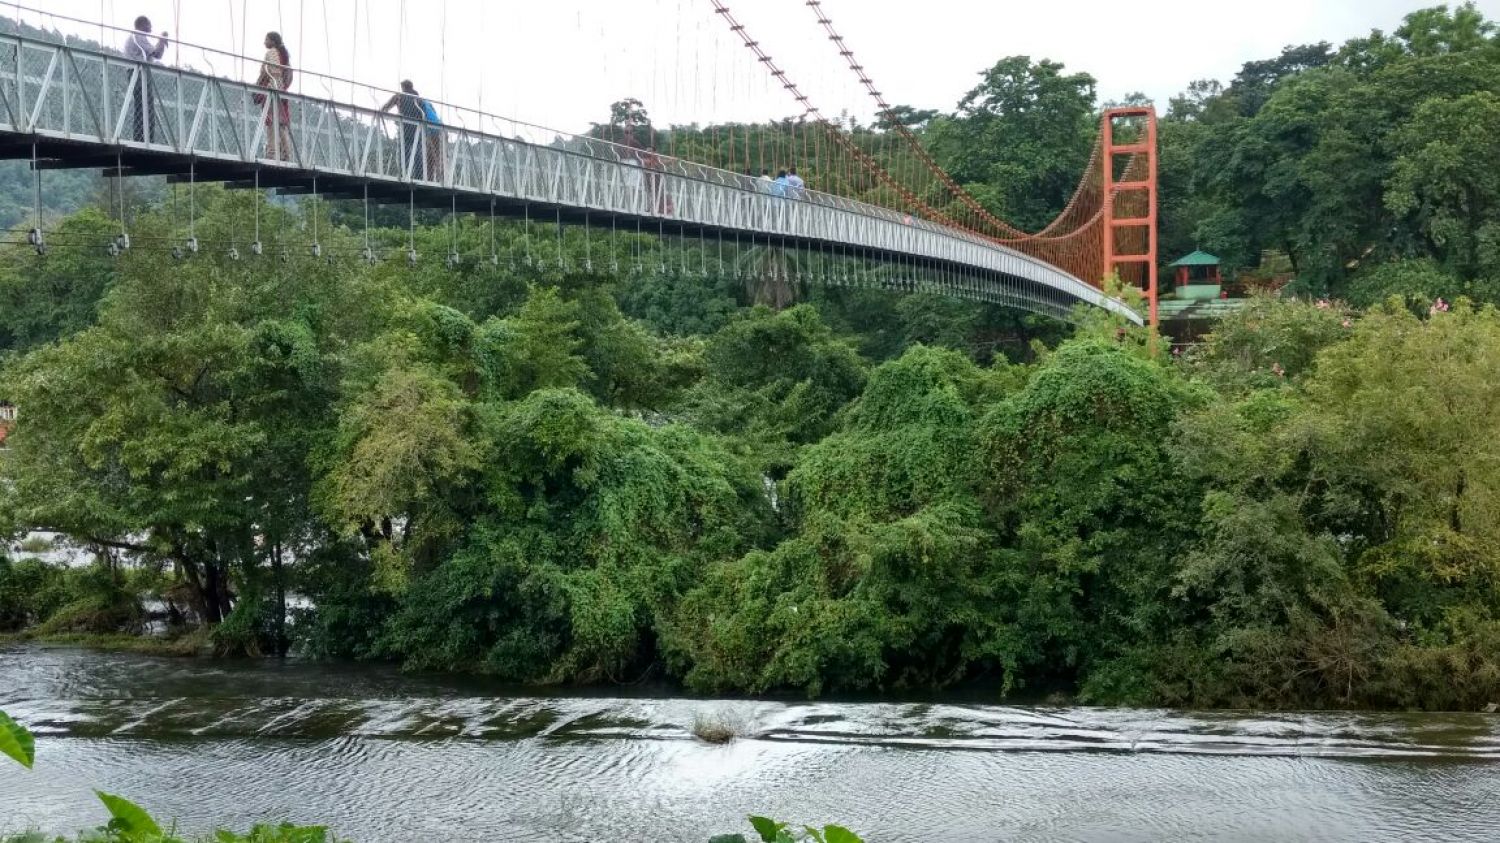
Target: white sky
x,y
559,63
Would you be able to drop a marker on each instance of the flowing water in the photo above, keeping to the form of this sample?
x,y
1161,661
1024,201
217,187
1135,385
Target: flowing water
x,y
383,756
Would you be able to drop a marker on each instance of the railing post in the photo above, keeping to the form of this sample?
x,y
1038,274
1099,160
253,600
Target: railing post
x,y
143,94
67,95
20,88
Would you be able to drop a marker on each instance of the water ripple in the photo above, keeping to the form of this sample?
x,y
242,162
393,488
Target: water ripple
x,y
381,758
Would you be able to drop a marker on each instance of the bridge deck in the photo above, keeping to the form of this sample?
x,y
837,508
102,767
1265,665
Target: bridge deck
x,y
68,106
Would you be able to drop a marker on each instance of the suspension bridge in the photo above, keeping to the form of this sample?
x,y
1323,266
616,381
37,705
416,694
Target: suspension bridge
x,y
64,105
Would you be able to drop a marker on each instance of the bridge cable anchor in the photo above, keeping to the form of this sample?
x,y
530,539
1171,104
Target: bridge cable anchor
x,y
316,250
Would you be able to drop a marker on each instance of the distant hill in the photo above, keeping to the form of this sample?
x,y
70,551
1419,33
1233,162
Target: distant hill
x,y
63,191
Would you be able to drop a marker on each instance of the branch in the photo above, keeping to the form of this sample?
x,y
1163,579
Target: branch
x,y
110,543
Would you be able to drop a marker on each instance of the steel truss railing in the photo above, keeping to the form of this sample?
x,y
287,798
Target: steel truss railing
x,y
60,93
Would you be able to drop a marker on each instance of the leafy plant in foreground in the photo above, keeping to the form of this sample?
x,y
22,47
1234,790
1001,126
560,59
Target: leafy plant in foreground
x,y
16,742
771,831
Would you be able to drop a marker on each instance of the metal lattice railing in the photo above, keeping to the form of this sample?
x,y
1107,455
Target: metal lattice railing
x,y
61,93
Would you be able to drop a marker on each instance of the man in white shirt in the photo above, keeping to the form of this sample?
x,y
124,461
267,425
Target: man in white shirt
x,y
138,47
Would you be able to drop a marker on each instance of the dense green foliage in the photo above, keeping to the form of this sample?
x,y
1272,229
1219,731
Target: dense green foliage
x,y
549,469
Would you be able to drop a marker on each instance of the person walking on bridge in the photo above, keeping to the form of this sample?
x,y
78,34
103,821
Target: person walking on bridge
x,y
410,108
138,47
660,200
794,183
276,76
779,185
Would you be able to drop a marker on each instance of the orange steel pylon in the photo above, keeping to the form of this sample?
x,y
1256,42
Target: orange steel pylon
x,y
1130,209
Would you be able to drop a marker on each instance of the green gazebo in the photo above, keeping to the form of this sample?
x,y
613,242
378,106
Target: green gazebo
x,y
1197,276
1197,297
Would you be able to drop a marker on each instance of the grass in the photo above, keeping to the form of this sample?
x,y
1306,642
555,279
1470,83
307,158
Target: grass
x,y
720,727
192,644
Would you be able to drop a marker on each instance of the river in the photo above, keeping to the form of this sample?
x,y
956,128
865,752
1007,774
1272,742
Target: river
x,y
385,756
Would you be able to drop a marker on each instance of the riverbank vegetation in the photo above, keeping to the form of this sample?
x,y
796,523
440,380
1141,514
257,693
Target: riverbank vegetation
x,y
540,470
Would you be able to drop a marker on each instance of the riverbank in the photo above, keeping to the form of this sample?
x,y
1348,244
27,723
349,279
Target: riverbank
x,y
188,645
197,645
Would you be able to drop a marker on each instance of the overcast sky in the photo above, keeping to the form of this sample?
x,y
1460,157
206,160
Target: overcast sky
x,y
559,63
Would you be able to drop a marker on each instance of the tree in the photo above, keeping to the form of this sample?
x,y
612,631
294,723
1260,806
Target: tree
x,y
629,124
1439,30
1253,85
593,526
1405,476
1283,620
887,581
45,298
1203,100
175,427
1442,182
1077,476
1268,343
778,379
905,115
1020,139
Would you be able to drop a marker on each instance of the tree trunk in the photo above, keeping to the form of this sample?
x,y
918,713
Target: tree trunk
x,y
279,572
197,588
209,593
1455,517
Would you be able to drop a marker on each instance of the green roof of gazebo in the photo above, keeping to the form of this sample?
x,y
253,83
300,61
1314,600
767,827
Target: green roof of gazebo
x,y
1198,258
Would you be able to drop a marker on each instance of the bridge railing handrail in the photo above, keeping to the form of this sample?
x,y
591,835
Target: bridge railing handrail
x,y
562,141
447,110
620,152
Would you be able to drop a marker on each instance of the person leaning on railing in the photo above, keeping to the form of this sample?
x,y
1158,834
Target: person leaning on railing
x,y
409,105
435,145
138,47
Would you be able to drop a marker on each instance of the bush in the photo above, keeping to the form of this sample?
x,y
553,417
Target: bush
x,y
31,591
101,600
1416,283
600,523
888,581
250,629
